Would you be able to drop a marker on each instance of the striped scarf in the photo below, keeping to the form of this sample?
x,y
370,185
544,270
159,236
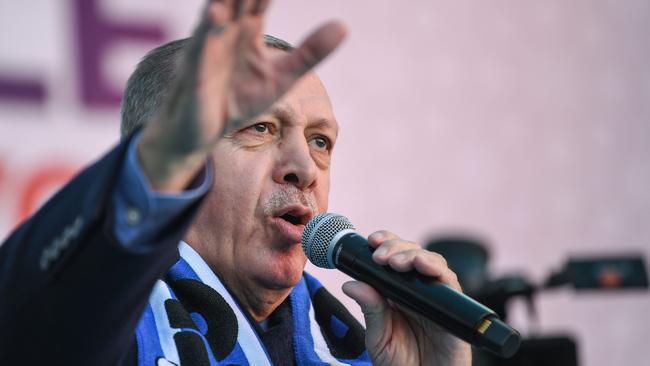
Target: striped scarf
x,y
192,319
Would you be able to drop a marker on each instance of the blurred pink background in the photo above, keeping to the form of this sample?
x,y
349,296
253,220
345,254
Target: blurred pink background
x,y
527,122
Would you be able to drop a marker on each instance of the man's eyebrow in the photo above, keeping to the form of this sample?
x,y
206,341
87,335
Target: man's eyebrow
x,y
287,114
325,124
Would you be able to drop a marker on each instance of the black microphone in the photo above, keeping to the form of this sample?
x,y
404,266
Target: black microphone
x,y
329,241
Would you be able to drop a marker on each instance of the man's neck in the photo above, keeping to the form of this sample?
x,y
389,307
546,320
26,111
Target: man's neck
x,y
258,300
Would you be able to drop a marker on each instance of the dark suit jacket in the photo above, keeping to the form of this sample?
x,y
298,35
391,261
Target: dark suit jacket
x,y
70,294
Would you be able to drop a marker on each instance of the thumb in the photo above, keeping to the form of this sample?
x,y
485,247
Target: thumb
x,y
376,312
313,50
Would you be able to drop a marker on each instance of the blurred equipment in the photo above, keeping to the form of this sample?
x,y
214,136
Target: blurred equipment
x,y
602,273
545,351
469,257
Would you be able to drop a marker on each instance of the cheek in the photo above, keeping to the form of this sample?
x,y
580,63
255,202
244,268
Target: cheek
x,y
240,180
323,191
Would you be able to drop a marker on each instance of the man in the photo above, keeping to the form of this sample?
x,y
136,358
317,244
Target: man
x,y
257,126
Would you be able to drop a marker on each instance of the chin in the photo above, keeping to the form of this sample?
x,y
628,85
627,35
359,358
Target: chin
x,y
284,271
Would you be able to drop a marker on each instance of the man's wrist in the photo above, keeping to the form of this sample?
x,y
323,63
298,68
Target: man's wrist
x,y
165,170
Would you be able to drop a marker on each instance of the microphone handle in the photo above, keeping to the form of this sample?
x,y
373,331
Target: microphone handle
x,y
458,313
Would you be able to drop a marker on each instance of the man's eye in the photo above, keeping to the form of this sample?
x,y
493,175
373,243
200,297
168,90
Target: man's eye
x,y
261,127
320,143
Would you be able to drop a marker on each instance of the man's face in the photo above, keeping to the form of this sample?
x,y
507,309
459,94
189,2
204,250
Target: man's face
x,y
271,177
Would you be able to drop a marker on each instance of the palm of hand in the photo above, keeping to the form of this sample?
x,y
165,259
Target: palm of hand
x,y
412,339
238,77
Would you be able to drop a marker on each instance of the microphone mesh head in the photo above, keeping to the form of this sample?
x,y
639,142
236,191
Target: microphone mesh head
x,y
318,235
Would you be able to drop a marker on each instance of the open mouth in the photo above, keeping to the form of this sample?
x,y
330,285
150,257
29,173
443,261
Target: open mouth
x,y
296,215
295,220
291,221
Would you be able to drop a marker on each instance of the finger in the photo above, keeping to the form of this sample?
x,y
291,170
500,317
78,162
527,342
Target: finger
x,y
249,7
260,7
379,237
425,262
313,50
213,21
402,261
236,9
242,7
390,247
442,273
220,13
376,312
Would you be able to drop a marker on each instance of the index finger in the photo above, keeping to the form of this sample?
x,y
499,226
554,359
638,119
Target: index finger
x,y
375,239
214,19
313,50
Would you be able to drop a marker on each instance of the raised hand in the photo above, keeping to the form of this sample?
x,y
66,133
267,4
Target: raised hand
x,y
395,335
228,76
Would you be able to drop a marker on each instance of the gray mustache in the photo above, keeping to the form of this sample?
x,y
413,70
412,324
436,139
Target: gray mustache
x,y
290,195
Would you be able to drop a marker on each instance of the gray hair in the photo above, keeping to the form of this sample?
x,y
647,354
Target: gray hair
x,y
148,86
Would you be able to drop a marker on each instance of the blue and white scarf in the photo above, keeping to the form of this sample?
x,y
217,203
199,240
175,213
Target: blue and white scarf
x,y
192,319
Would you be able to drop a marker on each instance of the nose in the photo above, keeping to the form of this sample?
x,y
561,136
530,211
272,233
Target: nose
x,y
295,163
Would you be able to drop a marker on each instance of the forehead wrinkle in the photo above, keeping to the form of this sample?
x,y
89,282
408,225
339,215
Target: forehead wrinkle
x,y
283,112
287,113
325,124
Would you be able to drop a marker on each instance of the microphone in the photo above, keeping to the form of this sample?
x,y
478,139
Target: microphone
x,y
329,241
